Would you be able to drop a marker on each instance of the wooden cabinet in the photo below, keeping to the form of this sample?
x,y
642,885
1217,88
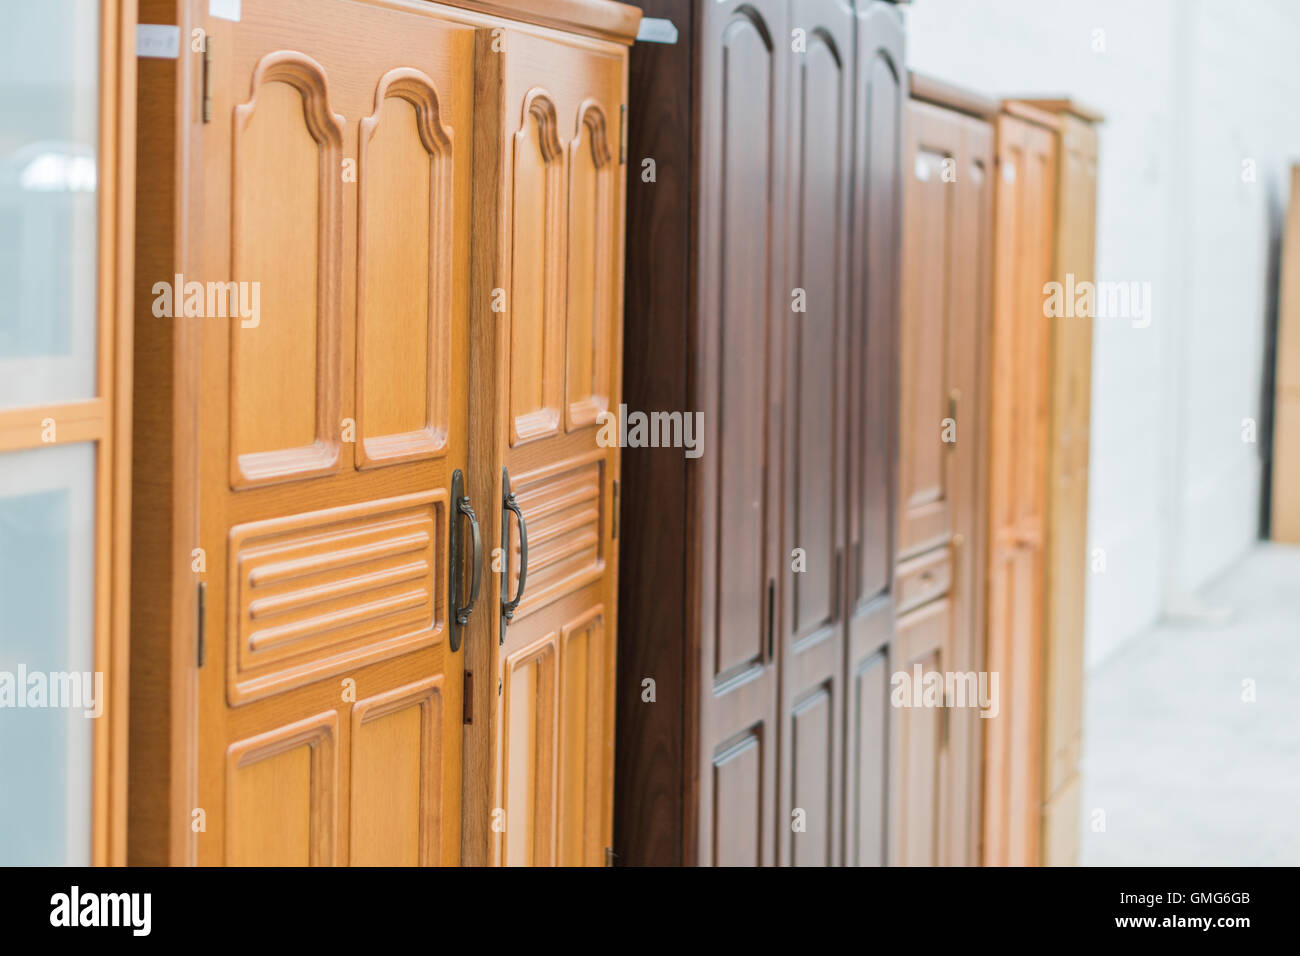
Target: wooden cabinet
x,y
1040,412
1066,529
559,240
1024,227
947,274
1285,501
404,229
756,607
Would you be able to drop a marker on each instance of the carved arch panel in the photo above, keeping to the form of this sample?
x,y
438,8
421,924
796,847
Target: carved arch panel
x,y
405,265
592,315
286,252
536,298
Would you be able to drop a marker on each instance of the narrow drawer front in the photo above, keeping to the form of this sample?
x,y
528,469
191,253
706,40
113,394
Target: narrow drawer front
x,y
923,578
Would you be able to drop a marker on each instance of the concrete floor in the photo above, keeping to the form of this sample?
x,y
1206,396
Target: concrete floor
x,y
1189,774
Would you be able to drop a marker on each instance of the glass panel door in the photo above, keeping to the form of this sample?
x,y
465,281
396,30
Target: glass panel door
x,y
49,98
49,693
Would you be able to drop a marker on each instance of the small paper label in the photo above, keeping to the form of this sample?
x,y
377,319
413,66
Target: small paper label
x,y
922,169
1008,172
656,30
226,9
157,40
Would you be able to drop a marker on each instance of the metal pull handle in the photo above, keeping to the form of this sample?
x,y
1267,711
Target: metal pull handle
x,y
508,503
461,508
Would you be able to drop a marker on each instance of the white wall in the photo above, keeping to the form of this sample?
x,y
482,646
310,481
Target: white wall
x,y
1188,90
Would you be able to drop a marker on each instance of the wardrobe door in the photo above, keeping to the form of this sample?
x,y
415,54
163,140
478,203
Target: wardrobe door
x,y
564,181
811,633
880,92
742,298
1024,233
1067,541
335,423
945,310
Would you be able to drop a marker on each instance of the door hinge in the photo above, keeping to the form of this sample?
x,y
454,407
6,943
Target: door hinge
x,y
622,134
207,79
201,624
467,698
614,521
609,856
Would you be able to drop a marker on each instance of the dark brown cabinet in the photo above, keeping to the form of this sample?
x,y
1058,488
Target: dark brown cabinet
x,y
756,601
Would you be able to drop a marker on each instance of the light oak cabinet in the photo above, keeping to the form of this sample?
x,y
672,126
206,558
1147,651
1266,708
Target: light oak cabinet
x,y
947,274
1285,500
418,211
1040,413
758,579
1024,230
1066,537
559,242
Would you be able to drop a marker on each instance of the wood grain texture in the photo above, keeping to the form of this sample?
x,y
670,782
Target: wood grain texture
x,y
945,333
811,620
798,451
1066,529
557,93
742,302
1024,233
354,59
881,97
652,786
603,19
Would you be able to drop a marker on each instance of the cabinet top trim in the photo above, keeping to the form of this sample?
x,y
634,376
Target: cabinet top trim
x,y
929,89
1061,104
603,19
1022,109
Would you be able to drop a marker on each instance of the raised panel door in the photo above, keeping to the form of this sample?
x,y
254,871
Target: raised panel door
x,y
334,210
815,328
742,302
1067,502
561,102
922,767
945,297
880,96
1024,230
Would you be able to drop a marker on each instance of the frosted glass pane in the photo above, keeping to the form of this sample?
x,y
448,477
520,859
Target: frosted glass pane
x,y
49,98
47,562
